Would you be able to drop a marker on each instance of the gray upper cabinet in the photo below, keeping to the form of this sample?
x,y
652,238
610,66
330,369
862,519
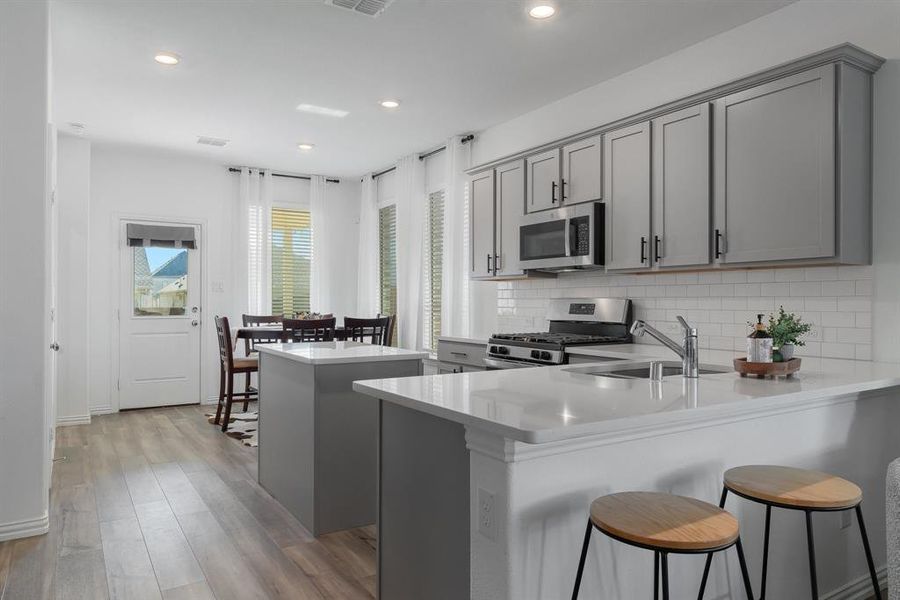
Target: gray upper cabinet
x,y
543,180
775,170
582,171
682,209
510,180
481,234
626,171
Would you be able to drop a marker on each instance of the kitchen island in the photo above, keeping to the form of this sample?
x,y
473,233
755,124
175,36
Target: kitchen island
x,y
486,478
317,437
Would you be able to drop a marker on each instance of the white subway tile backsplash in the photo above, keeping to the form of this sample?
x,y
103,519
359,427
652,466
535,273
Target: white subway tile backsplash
x,y
835,300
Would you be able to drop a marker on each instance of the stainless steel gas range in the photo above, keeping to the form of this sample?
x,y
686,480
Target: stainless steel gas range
x,y
573,322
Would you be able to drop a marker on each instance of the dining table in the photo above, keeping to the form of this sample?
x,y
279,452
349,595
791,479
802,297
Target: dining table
x,y
273,333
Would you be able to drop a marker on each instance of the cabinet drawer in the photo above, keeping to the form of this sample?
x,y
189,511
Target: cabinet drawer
x,y
463,354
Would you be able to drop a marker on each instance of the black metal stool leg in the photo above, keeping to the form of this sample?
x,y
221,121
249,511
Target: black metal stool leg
x,y
665,575
584,549
812,557
744,573
865,540
709,556
655,575
765,571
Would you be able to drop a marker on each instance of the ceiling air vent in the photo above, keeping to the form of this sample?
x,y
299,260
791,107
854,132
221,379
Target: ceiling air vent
x,y
211,141
371,8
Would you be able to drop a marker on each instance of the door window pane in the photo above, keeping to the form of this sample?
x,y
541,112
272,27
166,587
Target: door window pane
x,y
160,281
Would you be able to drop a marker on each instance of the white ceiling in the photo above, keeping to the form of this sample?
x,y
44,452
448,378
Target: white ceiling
x,y
457,65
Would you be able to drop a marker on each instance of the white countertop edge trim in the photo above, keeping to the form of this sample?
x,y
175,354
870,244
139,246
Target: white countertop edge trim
x,y
338,360
615,430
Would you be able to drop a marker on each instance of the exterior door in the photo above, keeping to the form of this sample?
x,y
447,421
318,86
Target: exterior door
x,y
626,174
775,170
159,325
681,188
543,181
481,202
510,207
582,179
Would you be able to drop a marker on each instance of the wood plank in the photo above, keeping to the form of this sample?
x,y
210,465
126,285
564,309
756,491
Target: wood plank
x,y
129,572
5,559
32,565
141,481
171,555
110,489
281,525
191,591
81,575
182,496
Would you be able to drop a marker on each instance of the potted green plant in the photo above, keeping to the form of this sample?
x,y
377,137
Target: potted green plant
x,y
786,329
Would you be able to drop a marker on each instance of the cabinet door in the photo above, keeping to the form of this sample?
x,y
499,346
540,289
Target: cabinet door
x,y
626,174
510,180
543,180
681,188
582,171
774,170
481,213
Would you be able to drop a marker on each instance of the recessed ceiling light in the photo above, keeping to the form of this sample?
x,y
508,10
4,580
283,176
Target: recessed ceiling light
x,y
322,110
306,146
390,103
542,11
167,58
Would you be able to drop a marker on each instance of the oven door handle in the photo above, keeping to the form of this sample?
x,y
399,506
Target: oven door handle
x,y
568,240
499,363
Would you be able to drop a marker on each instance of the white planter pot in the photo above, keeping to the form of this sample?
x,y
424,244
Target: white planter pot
x,y
787,352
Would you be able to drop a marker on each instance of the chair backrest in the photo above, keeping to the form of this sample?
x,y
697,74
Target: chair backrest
x,y
259,321
389,336
223,333
308,330
374,331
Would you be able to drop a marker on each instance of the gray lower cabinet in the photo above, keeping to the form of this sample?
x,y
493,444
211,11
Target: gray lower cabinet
x,y
582,171
682,208
627,195
543,180
775,170
481,234
459,356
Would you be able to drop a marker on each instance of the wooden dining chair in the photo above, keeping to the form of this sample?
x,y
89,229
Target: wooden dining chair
x,y
259,321
308,330
229,366
375,331
389,339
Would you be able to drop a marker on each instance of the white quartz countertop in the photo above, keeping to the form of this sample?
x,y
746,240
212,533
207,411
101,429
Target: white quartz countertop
x,y
547,404
330,353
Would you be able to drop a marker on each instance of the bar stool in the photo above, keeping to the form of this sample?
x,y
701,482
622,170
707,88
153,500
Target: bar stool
x,y
666,524
795,489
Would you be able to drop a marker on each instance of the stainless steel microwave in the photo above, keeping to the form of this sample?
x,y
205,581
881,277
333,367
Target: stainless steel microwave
x,y
563,239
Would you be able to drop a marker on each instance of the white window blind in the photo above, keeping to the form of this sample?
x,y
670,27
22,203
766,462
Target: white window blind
x,y
292,255
387,260
434,266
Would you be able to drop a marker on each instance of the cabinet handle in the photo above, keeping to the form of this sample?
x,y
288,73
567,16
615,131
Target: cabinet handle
x,y
718,243
643,249
463,354
497,262
562,189
553,192
656,248
489,263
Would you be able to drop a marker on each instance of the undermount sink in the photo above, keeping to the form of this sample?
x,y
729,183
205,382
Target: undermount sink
x,y
642,370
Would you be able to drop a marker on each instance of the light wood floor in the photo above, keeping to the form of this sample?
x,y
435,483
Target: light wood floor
x,y
160,504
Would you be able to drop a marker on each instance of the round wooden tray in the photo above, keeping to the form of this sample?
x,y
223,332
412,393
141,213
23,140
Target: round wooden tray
x,y
772,369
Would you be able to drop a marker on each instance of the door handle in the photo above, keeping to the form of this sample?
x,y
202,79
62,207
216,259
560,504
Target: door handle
x,y
643,249
553,192
194,323
656,247
54,346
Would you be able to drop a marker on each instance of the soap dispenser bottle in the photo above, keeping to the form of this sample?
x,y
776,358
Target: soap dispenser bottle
x,y
759,343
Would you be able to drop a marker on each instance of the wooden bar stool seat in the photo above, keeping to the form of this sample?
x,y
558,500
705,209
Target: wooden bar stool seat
x,y
665,524
246,364
797,488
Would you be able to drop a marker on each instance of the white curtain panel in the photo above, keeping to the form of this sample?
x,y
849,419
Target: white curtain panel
x,y
455,288
411,215
252,260
367,301
323,263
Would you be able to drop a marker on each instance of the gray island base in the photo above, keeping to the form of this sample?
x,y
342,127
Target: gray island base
x,y
318,439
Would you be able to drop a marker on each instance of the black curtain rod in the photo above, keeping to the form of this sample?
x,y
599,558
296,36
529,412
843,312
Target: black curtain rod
x,y
463,140
305,177
385,172
432,153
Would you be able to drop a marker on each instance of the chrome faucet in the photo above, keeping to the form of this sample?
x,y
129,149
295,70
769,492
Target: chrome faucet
x,y
690,357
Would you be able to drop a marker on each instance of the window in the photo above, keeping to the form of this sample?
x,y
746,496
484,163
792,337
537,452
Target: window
x,y
434,260
160,281
387,260
292,254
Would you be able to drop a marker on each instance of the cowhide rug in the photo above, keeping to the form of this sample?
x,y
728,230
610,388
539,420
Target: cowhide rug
x,y
241,425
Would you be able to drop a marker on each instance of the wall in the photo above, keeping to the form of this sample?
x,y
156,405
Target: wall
x,y
24,309
867,328
73,199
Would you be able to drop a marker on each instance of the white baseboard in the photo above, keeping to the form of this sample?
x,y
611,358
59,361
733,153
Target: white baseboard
x,y
23,529
212,400
102,410
73,420
858,589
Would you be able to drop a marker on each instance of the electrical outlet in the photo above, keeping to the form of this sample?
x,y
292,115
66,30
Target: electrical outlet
x,y
487,519
845,519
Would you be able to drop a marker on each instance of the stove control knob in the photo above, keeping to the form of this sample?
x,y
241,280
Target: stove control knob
x,y
536,354
545,355
502,350
493,350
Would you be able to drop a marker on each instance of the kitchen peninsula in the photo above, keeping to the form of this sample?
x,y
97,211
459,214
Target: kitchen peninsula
x,y
317,437
510,460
